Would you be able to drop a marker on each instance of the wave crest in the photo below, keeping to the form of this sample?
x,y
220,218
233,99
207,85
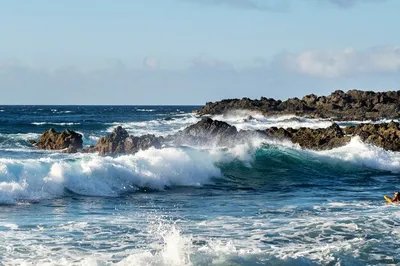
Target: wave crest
x,y
92,175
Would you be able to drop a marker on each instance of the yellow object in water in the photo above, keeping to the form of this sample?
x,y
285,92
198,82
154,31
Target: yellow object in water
x,y
388,199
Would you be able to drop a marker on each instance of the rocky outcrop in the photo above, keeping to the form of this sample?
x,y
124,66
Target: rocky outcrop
x,y
352,105
206,132
119,141
217,133
68,140
316,139
386,135
210,132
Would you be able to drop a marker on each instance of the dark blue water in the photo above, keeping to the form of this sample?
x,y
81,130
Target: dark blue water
x,y
260,203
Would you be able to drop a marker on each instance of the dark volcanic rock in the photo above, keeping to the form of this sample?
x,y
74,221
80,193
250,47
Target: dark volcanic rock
x,y
135,144
206,132
352,105
119,141
316,139
113,142
216,133
212,132
385,135
67,140
320,139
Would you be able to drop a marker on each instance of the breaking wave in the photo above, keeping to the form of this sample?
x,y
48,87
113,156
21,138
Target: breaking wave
x,y
93,175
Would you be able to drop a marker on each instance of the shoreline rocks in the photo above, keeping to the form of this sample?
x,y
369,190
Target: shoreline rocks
x,y
351,105
315,139
385,135
216,133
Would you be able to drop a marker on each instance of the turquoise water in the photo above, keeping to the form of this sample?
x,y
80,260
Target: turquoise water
x,y
260,203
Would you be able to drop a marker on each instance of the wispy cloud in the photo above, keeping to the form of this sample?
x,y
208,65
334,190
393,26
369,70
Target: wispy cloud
x,y
151,63
279,5
351,3
342,63
262,5
205,78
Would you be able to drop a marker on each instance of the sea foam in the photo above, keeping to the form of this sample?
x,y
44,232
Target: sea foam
x,y
92,175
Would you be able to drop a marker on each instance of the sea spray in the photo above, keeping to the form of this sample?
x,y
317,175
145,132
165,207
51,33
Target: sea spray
x,y
93,175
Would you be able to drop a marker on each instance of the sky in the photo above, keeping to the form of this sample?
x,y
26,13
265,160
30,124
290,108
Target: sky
x,y
139,52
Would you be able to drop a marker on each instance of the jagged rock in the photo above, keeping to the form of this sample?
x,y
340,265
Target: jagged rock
x,y
207,131
316,139
113,143
119,141
320,139
217,133
68,140
352,105
385,135
134,144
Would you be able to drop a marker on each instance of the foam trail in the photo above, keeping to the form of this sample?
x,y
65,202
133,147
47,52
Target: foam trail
x,y
252,120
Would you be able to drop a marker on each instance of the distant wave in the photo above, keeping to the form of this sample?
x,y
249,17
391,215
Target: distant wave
x,y
57,111
54,123
159,127
146,110
248,120
252,120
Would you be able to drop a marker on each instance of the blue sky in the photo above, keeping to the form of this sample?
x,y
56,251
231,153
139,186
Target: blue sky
x,y
194,51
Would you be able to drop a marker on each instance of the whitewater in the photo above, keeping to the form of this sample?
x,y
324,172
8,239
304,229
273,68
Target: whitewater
x,y
263,202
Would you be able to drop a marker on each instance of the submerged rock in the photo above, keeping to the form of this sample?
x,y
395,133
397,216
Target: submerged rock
x,y
68,140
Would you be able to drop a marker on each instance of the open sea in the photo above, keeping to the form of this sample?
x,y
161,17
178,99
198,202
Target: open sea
x,y
259,203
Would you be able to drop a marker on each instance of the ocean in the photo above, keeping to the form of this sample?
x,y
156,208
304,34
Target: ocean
x,y
264,202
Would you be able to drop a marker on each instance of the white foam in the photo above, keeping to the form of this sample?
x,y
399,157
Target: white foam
x,y
360,153
17,142
256,239
31,179
158,127
21,136
251,120
146,110
54,123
